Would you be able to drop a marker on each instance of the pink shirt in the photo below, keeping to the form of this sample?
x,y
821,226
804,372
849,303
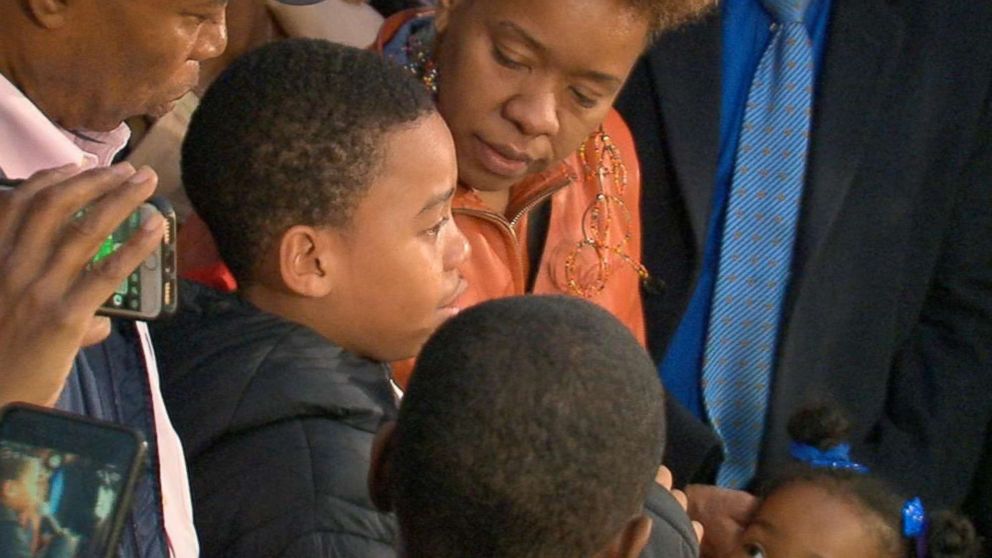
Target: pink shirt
x,y
30,142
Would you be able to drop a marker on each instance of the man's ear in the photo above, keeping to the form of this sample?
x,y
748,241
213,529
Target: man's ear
x,y
631,540
49,14
307,260
380,467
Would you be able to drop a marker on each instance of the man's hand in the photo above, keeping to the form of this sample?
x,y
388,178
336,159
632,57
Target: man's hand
x,y
665,480
47,297
723,512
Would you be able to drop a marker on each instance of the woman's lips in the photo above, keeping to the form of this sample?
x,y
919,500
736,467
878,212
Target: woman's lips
x,y
501,160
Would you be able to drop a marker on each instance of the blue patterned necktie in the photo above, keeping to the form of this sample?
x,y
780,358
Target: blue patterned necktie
x,y
758,238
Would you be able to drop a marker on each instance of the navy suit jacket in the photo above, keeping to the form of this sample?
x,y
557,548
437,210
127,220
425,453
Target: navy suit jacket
x,y
889,312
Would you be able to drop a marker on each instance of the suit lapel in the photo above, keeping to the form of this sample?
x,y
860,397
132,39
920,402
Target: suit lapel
x,y
685,66
864,39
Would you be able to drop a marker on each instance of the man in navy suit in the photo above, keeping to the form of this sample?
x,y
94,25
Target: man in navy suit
x,y
888,305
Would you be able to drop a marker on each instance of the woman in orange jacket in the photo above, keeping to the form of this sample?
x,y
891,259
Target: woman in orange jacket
x,y
549,181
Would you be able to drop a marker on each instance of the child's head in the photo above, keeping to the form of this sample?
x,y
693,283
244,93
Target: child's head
x,y
523,82
19,478
830,507
325,175
532,427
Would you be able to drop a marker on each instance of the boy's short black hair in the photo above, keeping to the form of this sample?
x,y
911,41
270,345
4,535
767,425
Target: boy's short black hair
x,y
291,133
532,427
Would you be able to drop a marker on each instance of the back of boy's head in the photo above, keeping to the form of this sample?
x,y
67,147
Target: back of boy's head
x,y
824,426
532,426
292,134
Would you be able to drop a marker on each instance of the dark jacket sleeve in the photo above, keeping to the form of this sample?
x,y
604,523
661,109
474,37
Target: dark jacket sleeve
x,y
939,400
979,503
672,535
693,451
330,544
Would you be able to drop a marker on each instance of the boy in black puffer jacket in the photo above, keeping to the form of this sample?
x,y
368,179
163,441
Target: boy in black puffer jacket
x,y
325,175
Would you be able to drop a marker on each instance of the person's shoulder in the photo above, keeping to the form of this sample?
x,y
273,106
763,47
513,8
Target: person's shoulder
x,y
304,375
955,23
616,128
214,337
672,535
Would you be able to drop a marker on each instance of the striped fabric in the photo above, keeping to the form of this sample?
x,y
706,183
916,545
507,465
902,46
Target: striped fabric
x,y
758,238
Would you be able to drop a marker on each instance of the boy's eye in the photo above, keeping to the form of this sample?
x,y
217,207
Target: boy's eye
x,y
436,229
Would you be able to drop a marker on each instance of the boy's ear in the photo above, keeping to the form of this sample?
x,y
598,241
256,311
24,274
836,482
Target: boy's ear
x,y
380,467
49,14
307,260
631,540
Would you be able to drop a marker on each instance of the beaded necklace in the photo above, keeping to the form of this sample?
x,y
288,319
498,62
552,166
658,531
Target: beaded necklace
x,y
598,217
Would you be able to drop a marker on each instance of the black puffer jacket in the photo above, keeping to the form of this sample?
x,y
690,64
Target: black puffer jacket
x,y
277,424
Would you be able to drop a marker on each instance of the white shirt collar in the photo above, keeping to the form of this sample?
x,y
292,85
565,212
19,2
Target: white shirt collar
x,y
30,142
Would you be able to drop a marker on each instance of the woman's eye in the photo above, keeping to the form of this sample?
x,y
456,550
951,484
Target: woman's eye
x,y
754,551
505,60
583,100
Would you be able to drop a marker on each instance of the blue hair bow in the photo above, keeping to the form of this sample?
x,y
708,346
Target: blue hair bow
x,y
914,524
837,458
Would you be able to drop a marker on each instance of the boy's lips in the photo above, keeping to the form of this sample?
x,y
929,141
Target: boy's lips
x,y
451,301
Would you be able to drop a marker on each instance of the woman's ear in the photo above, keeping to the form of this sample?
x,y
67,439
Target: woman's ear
x,y
443,14
380,467
49,14
306,260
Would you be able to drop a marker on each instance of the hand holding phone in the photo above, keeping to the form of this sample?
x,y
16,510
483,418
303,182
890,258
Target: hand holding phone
x,y
49,291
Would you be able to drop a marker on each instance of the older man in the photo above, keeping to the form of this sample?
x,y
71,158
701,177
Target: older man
x,y
71,71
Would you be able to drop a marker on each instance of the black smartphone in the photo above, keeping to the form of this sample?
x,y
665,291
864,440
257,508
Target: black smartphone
x,y
65,483
152,289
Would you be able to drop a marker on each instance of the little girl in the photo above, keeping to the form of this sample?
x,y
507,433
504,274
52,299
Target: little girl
x,y
830,507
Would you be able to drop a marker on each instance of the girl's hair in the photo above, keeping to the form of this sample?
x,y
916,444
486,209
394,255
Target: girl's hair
x,y
825,427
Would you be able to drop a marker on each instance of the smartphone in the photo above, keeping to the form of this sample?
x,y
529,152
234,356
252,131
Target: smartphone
x,y
66,482
151,290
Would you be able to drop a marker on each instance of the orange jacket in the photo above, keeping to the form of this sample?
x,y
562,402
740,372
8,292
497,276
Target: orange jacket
x,y
499,263
499,267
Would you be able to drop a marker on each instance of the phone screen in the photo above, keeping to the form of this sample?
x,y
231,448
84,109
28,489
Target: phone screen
x,y
63,497
128,295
